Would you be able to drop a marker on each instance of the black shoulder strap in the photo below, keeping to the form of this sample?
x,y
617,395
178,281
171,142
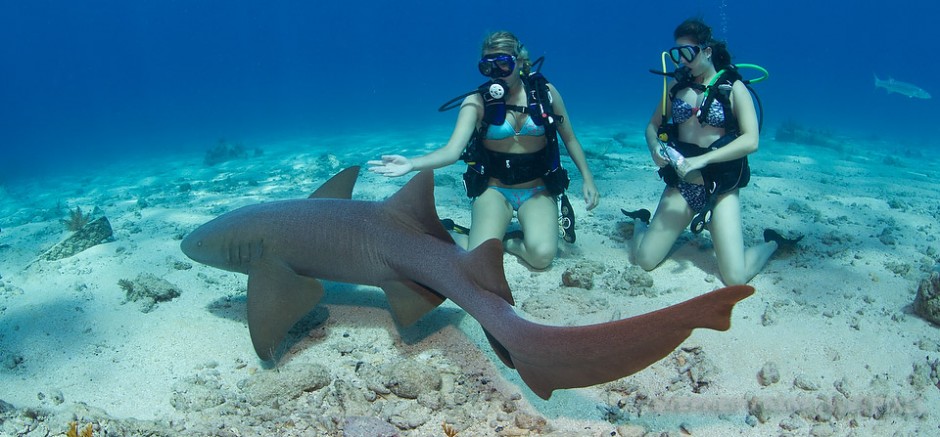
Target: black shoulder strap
x,y
543,114
730,76
721,90
539,101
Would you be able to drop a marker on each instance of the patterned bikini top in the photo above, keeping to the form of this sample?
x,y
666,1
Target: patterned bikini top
x,y
682,111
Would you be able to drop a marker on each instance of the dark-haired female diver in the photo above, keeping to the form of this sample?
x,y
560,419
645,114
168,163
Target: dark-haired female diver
x,y
503,128
713,136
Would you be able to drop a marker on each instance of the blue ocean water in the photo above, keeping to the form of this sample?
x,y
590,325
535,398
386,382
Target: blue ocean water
x,y
106,79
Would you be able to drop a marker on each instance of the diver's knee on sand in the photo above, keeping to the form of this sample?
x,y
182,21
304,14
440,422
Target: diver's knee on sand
x,y
734,279
646,261
540,256
537,255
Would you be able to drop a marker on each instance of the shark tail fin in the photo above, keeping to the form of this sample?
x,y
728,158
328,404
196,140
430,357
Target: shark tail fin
x,y
581,356
715,312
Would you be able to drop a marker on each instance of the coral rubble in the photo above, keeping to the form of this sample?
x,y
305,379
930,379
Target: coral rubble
x,y
91,234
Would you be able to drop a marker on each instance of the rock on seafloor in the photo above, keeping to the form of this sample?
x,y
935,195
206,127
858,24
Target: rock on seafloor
x,y
927,302
150,290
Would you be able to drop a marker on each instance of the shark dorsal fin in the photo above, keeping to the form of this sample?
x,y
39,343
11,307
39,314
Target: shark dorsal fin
x,y
414,206
339,186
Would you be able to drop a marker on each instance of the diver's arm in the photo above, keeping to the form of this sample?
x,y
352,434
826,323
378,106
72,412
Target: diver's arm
x,y
470,112
397,165
652,138
575,151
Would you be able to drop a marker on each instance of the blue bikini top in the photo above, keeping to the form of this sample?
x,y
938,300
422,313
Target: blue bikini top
x,y
506,130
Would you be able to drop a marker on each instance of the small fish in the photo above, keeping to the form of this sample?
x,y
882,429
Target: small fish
x,y
902,88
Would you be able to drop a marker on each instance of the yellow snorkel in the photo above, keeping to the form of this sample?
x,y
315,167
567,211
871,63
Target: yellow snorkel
x,y
664,136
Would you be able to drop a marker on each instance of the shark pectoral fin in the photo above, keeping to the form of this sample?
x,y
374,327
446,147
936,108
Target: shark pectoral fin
x,y
580,356
410,301
340,186
277,298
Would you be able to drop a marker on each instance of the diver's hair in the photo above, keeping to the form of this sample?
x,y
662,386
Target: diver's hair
x,y
505,42
696,30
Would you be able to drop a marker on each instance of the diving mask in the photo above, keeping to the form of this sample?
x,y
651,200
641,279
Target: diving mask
x,y
497,65
687,52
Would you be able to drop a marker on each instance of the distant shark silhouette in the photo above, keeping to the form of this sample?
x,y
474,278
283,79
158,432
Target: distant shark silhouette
x,y
902,88
399,245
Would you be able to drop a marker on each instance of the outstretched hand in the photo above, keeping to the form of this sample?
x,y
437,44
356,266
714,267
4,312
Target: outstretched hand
x,y
391,166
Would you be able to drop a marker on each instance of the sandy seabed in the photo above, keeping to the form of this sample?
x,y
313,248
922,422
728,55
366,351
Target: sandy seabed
x,y
828,345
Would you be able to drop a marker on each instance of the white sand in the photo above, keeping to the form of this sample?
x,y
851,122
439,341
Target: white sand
x,y
837,312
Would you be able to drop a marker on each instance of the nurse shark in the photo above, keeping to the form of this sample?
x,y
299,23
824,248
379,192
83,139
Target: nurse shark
x,y
287,247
